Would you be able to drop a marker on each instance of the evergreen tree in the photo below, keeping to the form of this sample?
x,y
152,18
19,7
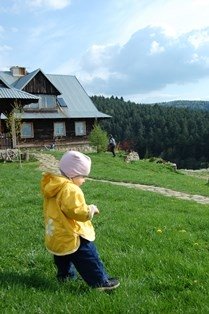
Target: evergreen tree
x,y
169,130
98,138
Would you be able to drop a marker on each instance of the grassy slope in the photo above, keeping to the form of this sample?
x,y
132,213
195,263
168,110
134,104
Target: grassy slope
x,y
157,246
104,166
145,172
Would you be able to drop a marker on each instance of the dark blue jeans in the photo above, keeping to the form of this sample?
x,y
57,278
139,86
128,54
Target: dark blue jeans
x,y
87,263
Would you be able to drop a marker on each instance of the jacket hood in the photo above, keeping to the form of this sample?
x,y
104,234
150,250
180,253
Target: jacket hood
x,y
51,184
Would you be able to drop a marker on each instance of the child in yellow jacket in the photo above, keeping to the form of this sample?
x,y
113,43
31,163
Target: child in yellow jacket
x,y
69,233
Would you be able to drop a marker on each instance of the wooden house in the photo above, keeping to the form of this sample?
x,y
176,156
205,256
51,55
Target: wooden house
x,y
64,113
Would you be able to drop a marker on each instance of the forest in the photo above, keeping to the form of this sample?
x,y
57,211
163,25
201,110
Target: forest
x,y
177,131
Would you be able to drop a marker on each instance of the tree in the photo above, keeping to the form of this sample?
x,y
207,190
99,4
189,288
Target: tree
x,y
177,133
98,138
13,122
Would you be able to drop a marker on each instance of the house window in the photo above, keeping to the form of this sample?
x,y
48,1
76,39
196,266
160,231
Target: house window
x,y
27,130
80,128
32,106
47,101
59,129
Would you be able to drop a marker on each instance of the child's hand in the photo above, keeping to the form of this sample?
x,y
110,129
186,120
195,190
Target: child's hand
x,y
93,210
96,210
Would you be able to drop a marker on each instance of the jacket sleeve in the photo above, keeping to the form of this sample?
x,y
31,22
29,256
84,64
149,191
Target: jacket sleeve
x,y
72,203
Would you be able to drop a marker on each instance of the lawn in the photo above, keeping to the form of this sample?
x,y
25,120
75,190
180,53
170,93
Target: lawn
x,y
157,246
104,166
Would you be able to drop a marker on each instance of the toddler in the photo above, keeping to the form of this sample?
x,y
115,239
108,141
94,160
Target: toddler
x,y
69,233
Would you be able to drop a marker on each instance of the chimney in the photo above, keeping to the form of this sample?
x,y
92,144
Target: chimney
x,y
18,71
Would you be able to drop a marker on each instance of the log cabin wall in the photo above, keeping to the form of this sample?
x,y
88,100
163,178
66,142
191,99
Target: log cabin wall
x,y
44,132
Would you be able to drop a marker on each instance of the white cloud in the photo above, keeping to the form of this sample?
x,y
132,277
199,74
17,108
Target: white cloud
x,y
53,4
135,68
199,38
194,58
156,48
4,48
22,6
98,56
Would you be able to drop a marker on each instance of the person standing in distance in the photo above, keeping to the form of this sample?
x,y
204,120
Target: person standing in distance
x,y
112,144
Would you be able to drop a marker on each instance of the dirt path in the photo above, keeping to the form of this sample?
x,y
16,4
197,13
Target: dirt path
x,y
167,192
47,162
50,163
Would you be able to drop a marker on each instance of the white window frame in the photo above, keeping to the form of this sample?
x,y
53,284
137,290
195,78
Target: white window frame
x,y
31,133
59,125
47,101
80,128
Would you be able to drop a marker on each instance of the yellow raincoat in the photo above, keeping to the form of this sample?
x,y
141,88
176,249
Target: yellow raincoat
x,y
66,215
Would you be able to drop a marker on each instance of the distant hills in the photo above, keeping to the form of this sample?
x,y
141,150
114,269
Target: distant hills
x,y
190,104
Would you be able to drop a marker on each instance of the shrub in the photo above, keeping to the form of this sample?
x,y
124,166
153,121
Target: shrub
x,y
98,138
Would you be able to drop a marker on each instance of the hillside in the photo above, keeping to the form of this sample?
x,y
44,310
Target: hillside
x,y
155,177
169,130
190,104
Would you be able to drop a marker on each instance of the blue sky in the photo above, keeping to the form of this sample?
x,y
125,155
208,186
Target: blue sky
x,y
143,50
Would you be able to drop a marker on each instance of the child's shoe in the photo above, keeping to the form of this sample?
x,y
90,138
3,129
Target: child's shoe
x,y
110,284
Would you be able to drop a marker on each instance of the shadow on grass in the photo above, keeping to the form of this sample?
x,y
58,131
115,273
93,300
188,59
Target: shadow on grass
x,y
35,281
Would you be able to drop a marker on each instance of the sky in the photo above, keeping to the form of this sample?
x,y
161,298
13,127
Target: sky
x,y
145,51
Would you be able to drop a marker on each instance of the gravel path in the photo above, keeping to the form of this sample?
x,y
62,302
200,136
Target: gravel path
x,y
50,163
167,192
47,162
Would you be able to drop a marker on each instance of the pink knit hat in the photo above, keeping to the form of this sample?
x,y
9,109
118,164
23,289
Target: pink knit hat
x,y
74,164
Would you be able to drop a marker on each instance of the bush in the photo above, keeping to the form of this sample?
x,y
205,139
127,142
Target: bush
x,y
98,138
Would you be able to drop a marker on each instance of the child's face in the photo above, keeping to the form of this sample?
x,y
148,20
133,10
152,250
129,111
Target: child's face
x,y
78,180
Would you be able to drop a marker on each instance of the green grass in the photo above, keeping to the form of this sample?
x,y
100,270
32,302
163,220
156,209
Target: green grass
x,y
157,246
104,166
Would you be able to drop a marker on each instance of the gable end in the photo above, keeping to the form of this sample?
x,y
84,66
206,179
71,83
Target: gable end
x,y
40,84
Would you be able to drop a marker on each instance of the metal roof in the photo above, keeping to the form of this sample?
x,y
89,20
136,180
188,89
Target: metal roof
x,y
42,115
79,104
13,93
9,94
8,77
3,83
